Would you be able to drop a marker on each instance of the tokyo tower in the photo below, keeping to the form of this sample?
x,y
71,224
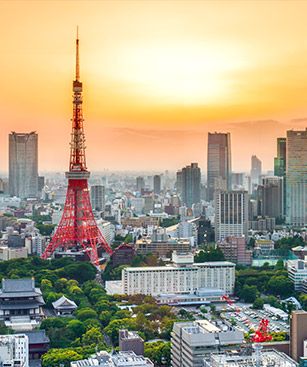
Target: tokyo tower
x,y
77,227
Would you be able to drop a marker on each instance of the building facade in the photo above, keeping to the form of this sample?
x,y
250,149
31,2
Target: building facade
x,y
20,304
296,177
231,214
130,341
179,279
157,184
14,350
234,250
270,195
98,197
188,184
256,170
218,163
23,164
193,341
297,273
298,334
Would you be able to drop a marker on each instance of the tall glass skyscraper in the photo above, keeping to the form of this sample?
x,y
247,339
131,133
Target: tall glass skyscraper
x,y
188,184
219,163
280,165
296,174
23,164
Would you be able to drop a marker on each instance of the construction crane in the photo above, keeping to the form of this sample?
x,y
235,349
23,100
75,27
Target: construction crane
x,y
230,303
262,333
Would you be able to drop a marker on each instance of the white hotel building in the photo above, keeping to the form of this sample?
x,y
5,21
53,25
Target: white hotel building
x,y
183,277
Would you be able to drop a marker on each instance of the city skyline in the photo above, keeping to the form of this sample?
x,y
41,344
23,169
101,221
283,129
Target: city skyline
x,y
154,85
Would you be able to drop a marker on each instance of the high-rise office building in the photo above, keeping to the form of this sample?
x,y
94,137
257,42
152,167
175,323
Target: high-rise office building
x,y
218,163
188,184
281,159
280,166
298,334
231,214
157,184
23,164
98,197
296,176
140,183
270,197
256,169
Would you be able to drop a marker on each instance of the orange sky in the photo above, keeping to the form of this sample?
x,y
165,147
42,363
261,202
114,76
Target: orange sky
x,y
158,75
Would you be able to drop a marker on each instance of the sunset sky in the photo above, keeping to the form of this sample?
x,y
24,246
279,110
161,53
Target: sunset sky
x,y
157,76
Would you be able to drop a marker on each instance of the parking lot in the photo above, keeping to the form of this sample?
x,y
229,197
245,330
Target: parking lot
x,y
243,316
246,318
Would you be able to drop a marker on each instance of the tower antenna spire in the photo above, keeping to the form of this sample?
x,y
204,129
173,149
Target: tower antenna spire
x,y
77,56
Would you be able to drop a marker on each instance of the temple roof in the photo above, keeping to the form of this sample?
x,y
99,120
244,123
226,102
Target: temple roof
x,y
37,336
65,303
19,288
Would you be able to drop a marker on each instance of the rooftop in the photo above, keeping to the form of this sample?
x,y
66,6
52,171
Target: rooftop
x,y
121,359
267,358
37,336
19,288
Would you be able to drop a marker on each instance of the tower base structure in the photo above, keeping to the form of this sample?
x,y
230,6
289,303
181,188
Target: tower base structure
x,y
78,227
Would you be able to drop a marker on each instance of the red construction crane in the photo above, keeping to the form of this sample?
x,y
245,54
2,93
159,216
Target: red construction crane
x,y
262,333
230,302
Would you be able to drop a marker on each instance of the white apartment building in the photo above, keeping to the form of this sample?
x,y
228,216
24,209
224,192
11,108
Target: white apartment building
x,y
297,272
14,350
179,278
193,341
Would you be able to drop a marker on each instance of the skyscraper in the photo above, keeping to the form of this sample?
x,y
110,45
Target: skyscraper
x,y
280,166
140,183
256,169
219,163
231,214
296,175
23,164
281,159
98,197
188,184
157,184
270,197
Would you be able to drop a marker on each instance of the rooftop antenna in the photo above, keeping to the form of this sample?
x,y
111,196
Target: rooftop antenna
x,y
77,56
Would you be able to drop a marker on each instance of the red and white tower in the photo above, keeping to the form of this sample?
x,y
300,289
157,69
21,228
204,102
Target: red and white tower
x,y
77,227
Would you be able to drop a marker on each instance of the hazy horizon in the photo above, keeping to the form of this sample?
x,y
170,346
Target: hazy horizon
x,y
157,76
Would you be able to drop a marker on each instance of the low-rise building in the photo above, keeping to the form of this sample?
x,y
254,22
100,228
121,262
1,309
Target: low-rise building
x,y
64,306
234,249
263,246
122,255
39,344
297,272
146,246
266,358
157,280
130,341
14,350
121,359
193,341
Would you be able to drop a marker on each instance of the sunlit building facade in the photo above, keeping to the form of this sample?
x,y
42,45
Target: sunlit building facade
x,y
219,163
297,177
23,164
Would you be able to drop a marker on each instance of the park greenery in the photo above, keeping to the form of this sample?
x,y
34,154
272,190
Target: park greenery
x,y
99,317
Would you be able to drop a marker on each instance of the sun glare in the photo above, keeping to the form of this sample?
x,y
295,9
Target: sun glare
x,y
179,73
